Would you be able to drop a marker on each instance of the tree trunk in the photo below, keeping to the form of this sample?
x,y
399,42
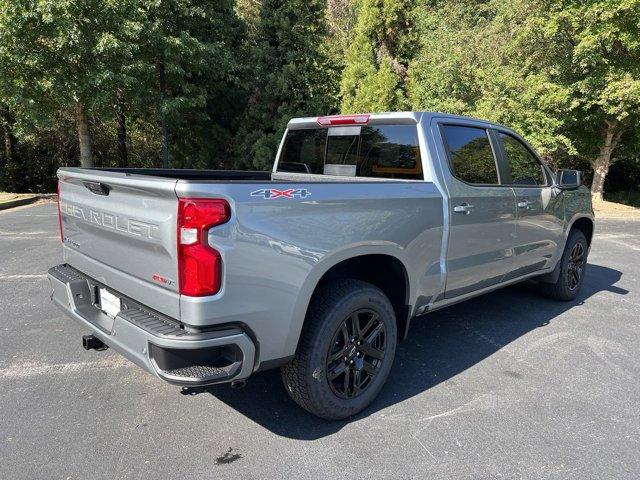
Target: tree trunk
x,y
15,174
398,68
165,135
122,130
84,137
7,121
610,138
9,144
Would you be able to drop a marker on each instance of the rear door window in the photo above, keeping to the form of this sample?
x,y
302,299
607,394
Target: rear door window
x,y
390,151
378,151
525,168
470,154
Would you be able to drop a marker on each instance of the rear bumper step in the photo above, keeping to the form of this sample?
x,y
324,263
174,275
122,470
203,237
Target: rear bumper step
x,y
157,344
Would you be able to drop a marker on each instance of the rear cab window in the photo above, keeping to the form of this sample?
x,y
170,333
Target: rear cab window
x,y
370,151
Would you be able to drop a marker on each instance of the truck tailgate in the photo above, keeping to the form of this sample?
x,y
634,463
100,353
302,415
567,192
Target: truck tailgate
x,y
120,229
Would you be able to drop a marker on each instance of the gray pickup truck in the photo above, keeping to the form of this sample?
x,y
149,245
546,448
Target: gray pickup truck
x,y
365,222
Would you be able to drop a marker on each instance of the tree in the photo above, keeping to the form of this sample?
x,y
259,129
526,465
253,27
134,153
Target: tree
x,y
7,122
601,64
100,58
290,75
11,172
249,12
565,73
474,61
64,54
197,43
375,75
341,20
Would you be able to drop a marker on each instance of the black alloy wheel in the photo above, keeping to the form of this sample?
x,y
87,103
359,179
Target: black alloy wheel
x,y
571,270
356,354
575,267
346,349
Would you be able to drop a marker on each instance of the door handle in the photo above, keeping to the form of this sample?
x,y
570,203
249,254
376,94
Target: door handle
x,y
464,208
524,204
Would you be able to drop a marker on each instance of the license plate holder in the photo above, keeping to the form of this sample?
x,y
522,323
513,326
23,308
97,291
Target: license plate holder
x,y
110,304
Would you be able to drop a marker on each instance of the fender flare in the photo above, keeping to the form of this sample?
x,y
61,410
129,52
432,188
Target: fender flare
x,y
552,276
322,267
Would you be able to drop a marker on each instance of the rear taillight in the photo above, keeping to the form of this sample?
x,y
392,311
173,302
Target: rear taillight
x,y
360,119
199,265
59,214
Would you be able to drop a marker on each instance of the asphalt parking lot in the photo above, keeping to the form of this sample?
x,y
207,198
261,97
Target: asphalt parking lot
x,y
508,385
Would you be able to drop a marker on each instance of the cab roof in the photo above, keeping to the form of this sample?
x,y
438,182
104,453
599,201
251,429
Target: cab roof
x,y
381,118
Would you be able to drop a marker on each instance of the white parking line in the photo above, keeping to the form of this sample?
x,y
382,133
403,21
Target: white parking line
x,y
21,237
9,211
28,369
619,239
37,232
36,214
18,277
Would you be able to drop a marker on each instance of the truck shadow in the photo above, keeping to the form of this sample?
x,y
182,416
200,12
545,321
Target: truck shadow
x,y
440,346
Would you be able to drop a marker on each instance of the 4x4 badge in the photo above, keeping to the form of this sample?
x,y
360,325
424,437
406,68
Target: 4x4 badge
x,y
271,193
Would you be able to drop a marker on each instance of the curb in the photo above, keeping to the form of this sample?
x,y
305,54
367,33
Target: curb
x,y
625,216
18,202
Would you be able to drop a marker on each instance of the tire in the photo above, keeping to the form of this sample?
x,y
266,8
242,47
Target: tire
x,y
573,265
329,345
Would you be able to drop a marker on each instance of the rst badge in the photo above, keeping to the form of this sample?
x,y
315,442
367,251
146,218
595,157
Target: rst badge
x,y
272,193
162,279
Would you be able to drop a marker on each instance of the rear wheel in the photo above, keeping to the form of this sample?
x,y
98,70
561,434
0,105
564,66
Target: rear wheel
x,y
572,268
346,350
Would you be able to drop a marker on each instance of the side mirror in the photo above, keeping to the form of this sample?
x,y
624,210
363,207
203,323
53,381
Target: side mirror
x,y
568,179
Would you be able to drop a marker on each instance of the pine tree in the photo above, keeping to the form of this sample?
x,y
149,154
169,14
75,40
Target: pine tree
x,y
376,62
290,76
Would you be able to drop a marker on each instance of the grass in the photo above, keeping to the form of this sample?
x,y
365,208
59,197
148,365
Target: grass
x,y
631,198
6,197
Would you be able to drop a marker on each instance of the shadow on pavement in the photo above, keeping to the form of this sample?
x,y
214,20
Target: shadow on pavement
x,y
440,346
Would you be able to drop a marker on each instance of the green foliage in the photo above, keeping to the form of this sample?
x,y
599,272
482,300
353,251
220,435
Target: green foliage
x,y
565,74
56,52
198,41
473,62
291,75
598,58
376,61
443,75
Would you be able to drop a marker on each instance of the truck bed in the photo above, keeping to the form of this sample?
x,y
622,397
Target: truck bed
x,y
190,174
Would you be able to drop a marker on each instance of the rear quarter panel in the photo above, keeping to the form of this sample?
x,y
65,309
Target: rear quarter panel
x,y
276,250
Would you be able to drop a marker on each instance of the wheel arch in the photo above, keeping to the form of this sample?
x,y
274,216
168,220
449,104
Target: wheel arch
x,y
361,264
584,223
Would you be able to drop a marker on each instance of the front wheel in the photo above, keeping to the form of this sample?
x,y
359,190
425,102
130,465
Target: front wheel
x,y
572,269
345,352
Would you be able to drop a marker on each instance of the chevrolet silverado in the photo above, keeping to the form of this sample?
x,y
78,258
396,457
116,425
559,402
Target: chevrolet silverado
x,y
317,267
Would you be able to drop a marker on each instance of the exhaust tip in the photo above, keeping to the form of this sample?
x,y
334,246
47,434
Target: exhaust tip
x,y
89,342
238,384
